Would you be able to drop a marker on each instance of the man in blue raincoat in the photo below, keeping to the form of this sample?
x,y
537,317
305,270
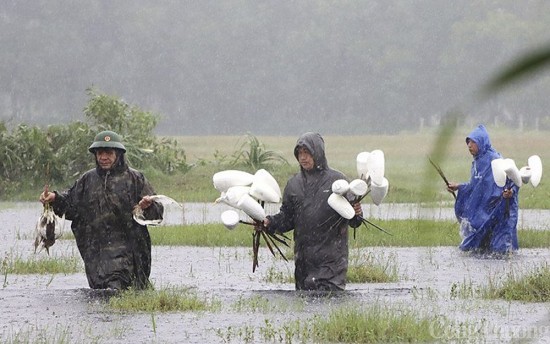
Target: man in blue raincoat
x,y
487,213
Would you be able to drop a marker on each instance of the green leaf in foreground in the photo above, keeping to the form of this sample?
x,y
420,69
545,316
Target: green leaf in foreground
x,y
526,64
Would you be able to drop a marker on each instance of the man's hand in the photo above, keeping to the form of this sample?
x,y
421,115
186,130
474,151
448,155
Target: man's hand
x,y
145,202
46,196
452,187
358,209
507,193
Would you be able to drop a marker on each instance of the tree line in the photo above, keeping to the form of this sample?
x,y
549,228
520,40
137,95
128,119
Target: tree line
x,y
33,156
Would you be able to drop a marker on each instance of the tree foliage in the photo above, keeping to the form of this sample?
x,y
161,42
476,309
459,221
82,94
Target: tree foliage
x,y
31,156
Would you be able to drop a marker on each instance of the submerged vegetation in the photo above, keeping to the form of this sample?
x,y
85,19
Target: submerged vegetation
x,y
368,268
352,324
531,287
375,324
16,264
162,300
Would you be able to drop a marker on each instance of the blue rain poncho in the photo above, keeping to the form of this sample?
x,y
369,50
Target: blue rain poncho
x,y
487,220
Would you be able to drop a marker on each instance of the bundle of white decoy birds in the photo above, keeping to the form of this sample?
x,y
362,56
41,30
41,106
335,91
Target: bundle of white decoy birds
x,y
249,193
505,172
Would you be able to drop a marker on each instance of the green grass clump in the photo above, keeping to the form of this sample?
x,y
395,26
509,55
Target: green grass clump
x,y
374,325
366,268
40,265
165,300
533,287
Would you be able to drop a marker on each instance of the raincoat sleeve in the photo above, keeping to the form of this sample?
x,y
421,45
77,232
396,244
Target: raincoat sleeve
x,y
64,203
156,210
283,221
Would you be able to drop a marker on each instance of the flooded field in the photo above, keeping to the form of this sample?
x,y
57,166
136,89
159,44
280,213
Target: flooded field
x,y
60,308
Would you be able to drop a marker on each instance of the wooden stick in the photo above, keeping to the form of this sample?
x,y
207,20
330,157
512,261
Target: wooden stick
x,y
440,171
365,222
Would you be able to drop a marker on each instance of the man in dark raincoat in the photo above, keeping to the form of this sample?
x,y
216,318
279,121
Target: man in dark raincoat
x,y
320,233
116,249
488,214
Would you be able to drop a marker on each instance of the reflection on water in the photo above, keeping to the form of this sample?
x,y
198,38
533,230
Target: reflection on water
x,y
49,305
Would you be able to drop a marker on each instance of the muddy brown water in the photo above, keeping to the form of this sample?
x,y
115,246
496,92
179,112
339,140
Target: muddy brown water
x,y
61,308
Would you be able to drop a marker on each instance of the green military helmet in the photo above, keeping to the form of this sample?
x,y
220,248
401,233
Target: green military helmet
x,y
107,139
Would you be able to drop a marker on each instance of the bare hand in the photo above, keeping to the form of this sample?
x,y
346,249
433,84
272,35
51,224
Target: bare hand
x,y
452,187
507,193
145,202
358,209
261,225
46,196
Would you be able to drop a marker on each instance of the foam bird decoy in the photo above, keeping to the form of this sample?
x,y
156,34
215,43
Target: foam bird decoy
x,y
534,163
139,216
249,193
504,169
370,169
376,166
223,180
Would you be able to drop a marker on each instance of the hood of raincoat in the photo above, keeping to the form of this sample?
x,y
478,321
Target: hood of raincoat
x,y
316,146
481,137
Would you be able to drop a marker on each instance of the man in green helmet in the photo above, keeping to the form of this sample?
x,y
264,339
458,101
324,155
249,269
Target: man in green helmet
x,y
116,249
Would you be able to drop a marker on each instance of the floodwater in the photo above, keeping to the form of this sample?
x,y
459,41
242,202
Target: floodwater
x,y
61,308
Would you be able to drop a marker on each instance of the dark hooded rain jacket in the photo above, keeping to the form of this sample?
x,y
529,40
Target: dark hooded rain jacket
x,y
320,233
487,220
116,250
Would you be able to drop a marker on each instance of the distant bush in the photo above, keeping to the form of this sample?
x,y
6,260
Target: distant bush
x,y
252,154
31,156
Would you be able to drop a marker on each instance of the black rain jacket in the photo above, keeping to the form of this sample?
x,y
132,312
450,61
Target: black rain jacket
x,y
116,250
320,233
